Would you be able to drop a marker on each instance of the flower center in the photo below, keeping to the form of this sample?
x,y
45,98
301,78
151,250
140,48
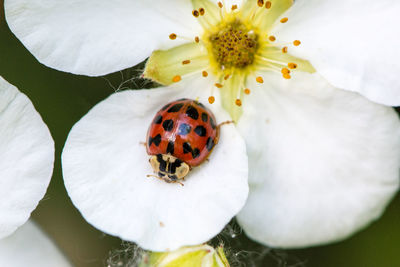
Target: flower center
x,y
234,45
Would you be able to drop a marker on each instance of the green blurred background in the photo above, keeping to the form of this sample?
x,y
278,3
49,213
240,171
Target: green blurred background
x,y
62,99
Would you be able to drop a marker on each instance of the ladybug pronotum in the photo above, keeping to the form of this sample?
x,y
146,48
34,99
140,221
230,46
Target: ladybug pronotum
x,y
181,136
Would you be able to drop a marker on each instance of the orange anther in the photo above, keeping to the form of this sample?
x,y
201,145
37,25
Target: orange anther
x,y
284,49
292,65
238,102
285,71
202,11
187,61
286,76
296,42
260,3
247,91
268,5
197,39
211,99
259,79
234,7
172,36
195,13
218,85
272,38
220,5
227,77
176,78
284,20
204,73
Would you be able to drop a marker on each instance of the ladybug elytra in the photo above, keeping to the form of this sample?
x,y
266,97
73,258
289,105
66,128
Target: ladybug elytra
x,y
181,136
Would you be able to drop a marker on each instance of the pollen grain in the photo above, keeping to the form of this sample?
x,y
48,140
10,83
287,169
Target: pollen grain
x,y
176,78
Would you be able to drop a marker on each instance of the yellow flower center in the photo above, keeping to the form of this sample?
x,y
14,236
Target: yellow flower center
x,y
235,46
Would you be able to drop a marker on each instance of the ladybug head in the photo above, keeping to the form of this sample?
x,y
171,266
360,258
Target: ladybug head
x,y
169,168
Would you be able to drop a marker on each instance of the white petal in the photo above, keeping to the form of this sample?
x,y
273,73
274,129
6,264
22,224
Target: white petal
x,y
96,37
29,246
105,167
352,43
323,162
26,158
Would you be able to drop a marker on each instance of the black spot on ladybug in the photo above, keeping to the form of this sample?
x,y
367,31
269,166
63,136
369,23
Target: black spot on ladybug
x,y
162,162
158,120
170,147
210,144
200,130
212,123
166,106
168,125
192,112
186,148
182,99
184,129
175,108
195,153
155,140
204,117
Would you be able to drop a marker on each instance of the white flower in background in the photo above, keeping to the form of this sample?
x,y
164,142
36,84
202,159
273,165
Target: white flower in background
x,y
29,246
26,158
323,161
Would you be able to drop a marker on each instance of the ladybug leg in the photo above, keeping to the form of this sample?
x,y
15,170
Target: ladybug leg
x,y
143,143
219,128
225,122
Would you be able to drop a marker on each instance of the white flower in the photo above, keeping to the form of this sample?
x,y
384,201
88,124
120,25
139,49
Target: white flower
x,y
105,165
323,161
26,158
29,246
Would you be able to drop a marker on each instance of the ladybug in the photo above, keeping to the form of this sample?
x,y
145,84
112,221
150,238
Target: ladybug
x,y
181,136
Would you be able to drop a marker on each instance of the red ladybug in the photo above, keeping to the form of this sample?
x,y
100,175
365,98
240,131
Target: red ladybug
x,y
181,136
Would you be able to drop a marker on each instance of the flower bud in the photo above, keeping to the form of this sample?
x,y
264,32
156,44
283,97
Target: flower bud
x,y
195,256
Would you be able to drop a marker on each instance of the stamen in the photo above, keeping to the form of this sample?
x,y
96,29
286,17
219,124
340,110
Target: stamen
x,y
227,77
234,7
292,65
286,76
172,36
176,78
272,38
220,5
247,91
259,79
195,13
197,39
204,73
260,3
285,71
187,61
284,49
218,85
211,99
296,42
284,20
271,60
202,11
238,102
268,5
